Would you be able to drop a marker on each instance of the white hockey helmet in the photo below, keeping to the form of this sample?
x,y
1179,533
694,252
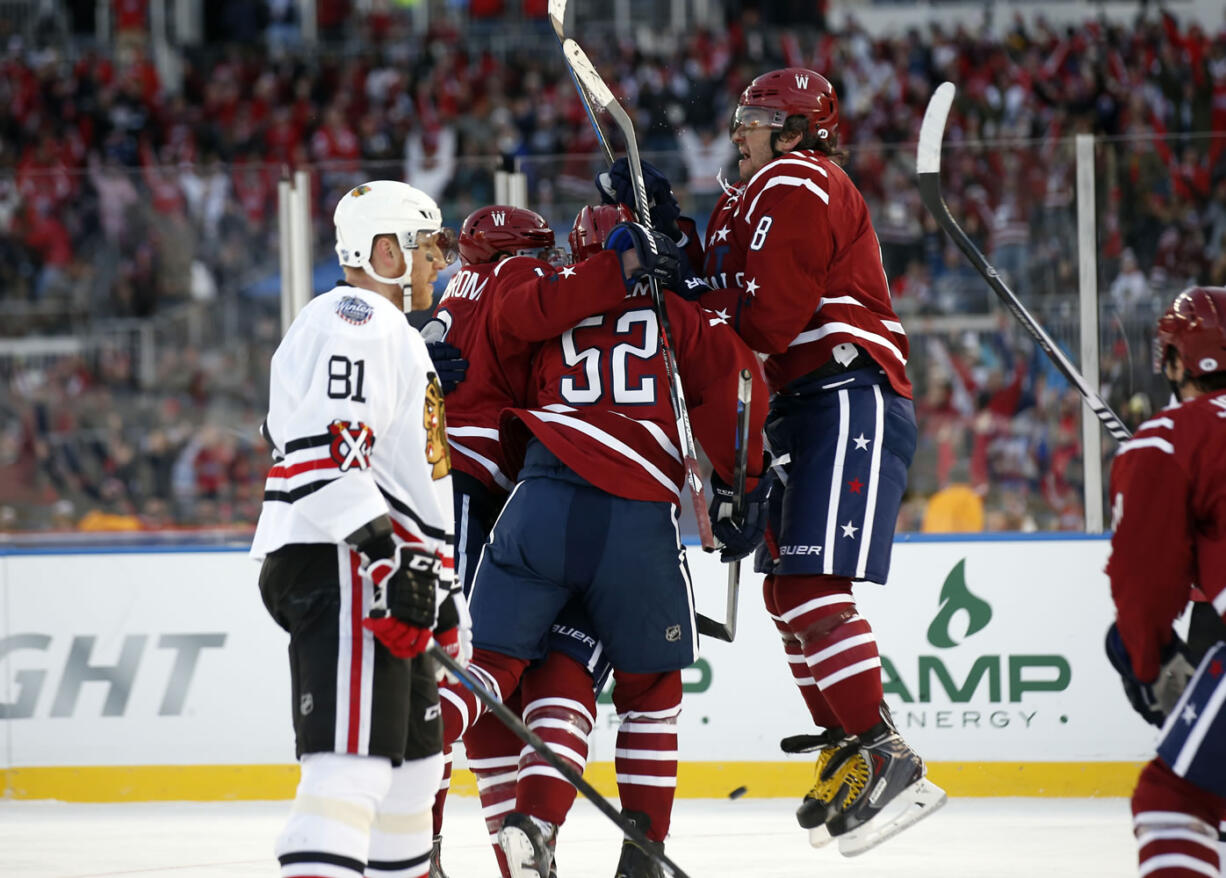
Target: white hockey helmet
x,y
383,207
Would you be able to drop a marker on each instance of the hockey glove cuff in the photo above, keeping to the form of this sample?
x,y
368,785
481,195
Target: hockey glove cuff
x,y
736,539
658,256
1156,699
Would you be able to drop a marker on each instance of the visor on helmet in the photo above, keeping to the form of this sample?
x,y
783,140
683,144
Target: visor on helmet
x,y
756,117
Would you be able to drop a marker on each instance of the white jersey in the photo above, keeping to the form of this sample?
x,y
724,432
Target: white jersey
x,y
357,424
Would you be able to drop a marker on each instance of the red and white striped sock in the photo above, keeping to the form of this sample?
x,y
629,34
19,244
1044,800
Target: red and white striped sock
x,y
819,708
839,647
493,758
1176,825
560,707
646,755
440,798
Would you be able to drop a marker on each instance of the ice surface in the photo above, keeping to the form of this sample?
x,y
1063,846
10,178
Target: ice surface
x,y
969,838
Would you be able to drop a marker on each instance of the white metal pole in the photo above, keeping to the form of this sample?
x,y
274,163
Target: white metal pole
x,y
285,210
1087,260
301,226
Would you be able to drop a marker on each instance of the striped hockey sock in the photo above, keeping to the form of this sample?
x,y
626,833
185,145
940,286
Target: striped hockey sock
x,y
646,755
838,645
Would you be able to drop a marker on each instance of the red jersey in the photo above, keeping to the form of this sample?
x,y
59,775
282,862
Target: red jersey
x,y
795,264
1168,500
600,399
546,302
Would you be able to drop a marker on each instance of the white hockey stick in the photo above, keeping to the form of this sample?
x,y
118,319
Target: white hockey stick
x,y
557,16
744,395
592,88
928,172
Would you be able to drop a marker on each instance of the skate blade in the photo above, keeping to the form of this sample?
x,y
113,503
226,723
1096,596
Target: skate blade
x,y
520,854
911,806
819,836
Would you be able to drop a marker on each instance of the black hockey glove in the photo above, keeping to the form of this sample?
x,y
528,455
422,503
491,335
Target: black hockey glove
x,y
1154,700
449,364
736,540
402,607
658,255
615,187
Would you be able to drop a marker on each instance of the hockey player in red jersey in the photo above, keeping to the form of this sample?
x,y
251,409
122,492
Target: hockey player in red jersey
x,y
504,251
1168,500
355,537
795,268
601,473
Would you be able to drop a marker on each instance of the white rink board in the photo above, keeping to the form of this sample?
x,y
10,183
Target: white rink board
x,y
198,672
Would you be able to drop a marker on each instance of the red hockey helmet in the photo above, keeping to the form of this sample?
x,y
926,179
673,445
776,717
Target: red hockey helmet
x,y
592,225
490,232
1195,325
792,91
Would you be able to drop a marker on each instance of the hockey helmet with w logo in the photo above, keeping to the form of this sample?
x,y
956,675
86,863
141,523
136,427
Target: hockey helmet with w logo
x,y
1195,326
502,230
793,91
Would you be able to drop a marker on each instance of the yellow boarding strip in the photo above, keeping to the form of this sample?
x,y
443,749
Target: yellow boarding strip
x,y
696,780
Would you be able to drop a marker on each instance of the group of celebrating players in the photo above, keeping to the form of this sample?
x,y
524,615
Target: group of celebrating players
x,y
510,489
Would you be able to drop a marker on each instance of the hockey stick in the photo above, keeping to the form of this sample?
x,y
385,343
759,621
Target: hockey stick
x,y
529,737
594,87
709,627
928,172
557,16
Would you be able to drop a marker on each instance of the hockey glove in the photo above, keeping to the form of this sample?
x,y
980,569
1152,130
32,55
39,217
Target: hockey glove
x,y
657,254
402,609
1154,700
615,187
454,631
736,540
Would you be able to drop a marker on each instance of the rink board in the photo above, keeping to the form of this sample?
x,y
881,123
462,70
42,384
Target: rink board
x,y
157,674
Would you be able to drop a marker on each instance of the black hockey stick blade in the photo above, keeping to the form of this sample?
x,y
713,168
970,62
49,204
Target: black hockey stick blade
x,y
525,734
928,176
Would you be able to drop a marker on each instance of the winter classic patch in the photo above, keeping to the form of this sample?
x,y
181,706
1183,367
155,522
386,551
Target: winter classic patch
x,y
353,310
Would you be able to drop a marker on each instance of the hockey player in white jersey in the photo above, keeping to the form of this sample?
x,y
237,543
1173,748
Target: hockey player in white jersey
x,y
356,537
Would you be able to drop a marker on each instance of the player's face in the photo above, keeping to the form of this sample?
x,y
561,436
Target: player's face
x,y
754,145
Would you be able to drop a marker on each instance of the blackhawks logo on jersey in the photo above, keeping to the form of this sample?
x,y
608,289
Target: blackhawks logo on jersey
x,y
438,455
351,444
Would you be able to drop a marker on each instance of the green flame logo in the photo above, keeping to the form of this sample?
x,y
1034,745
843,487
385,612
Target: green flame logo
x,y
955,596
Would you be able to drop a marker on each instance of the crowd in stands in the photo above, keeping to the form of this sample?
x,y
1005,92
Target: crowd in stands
x,y
126,196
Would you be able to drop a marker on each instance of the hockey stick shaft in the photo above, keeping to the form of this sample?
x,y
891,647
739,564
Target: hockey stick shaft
x,y
525,734
590,81
928,173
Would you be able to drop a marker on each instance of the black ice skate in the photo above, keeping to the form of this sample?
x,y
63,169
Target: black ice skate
x,y
436,862
881,794
829,778
528,844
636,862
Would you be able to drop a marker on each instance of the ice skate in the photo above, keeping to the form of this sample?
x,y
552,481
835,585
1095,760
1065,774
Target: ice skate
x,y
636,862
436,862
528,844
828,778
880,793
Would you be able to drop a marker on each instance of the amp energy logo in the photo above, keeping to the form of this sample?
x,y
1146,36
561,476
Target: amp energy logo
x,y
967,681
